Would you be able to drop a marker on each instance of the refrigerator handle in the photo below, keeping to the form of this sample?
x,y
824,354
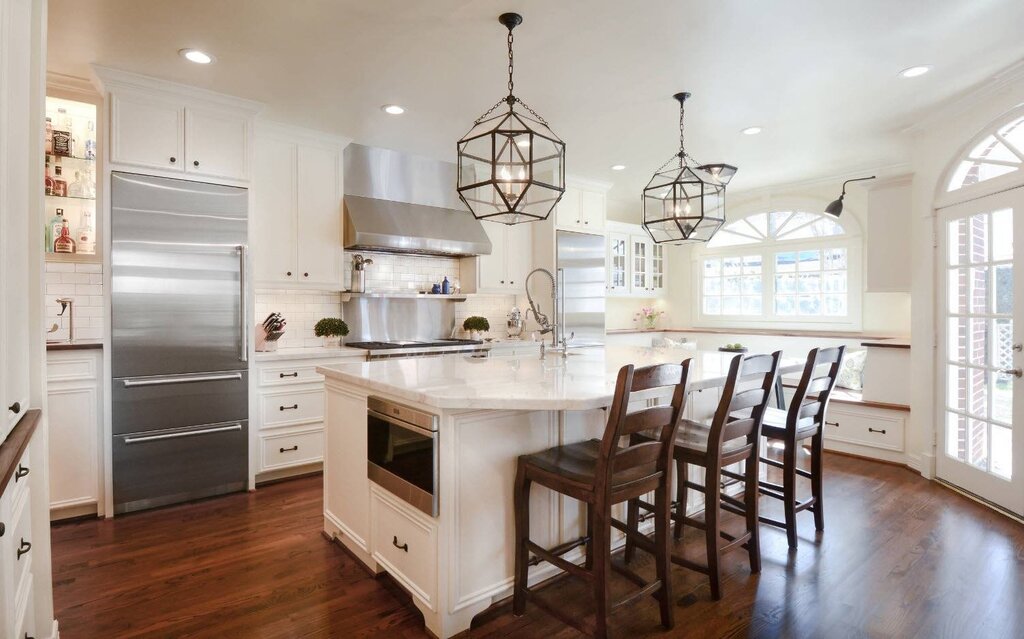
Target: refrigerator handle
x,y
190,433
243,320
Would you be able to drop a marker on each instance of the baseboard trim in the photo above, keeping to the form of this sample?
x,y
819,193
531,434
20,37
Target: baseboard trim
x,y
979,499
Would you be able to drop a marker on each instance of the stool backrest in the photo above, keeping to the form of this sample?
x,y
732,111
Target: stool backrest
x,y
807,413
748,387
658,423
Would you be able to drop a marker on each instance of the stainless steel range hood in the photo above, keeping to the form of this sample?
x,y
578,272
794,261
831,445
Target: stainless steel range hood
x,y
401,203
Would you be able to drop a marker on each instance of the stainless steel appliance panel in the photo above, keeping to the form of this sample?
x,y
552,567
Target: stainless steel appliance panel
x,y
164,467
177,401
178,276
581,266
384,319
402,453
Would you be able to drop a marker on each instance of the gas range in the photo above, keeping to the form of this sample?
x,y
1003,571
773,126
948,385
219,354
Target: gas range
x,y
404,348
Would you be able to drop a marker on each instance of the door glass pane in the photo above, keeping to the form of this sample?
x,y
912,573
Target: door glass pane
x,y
1002,343
1002,235
957,292
978,300
1002,296
978,340
1002,451
977,231
1002,398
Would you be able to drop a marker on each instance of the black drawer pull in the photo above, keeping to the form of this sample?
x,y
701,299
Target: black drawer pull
x,y
283,375
288,450
404,547
836,424
28,636
872,430
3,528
15,408
21,472
23,550
292,407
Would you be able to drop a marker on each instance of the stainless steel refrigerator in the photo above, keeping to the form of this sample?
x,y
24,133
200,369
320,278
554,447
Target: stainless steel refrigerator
x,y
178,340
581,268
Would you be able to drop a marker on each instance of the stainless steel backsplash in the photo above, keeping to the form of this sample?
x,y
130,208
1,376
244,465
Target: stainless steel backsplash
x,y
396,318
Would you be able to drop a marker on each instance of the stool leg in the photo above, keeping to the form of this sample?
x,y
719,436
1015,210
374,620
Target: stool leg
x,y
589,547
633,525
816,477
682,472
663,554
522,516
712,503
750,503
789,490
602,570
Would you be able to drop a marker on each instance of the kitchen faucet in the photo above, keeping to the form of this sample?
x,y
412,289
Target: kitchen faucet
x,y
68,304
558,340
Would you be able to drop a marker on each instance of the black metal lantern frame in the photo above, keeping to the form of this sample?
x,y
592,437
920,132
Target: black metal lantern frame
x,y
685,200
511,164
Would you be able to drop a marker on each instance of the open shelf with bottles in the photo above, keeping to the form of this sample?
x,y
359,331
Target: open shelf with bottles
x,y
70,181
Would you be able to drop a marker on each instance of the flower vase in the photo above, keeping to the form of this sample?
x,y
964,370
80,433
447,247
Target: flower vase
x,y
650,321
332,341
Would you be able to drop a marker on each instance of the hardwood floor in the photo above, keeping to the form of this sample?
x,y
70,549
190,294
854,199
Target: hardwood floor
x,y
900,557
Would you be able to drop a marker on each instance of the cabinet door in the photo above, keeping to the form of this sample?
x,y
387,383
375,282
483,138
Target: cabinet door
x,y
216,144
147,131
618,263
74,473
519,251
659,269
491,269
567,213
319,243
592,211
273,232
640,255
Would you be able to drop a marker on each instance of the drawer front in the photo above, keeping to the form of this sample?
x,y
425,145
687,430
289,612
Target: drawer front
x,y
286,375
406,546
291,449
879,429
296,407
26,624
20,544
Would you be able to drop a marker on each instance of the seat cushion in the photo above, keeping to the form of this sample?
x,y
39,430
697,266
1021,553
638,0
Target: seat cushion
x,y
577,463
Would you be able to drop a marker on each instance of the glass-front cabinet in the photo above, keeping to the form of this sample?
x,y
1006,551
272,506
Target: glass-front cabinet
x,y
70,224
637,267
618,263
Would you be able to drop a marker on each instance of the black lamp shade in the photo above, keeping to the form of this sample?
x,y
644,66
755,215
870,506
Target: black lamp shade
x,y
684,203
511,168
835,207
723,172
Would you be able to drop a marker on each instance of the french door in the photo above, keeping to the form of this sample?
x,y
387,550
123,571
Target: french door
x,y
981,313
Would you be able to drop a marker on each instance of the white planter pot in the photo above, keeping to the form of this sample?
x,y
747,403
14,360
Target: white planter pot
x,y
332,341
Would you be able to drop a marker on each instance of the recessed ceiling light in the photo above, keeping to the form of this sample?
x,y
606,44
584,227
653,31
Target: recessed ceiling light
x,y
618,167
913,72
751,130
392,109
197,56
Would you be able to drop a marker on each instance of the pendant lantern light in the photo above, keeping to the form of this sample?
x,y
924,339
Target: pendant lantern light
x,y
685,201
511,164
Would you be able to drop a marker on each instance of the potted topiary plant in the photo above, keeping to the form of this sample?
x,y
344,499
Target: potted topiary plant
x,y
332,329
476,325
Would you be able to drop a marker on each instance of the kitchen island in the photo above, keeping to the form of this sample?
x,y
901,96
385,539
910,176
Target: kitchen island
x,y
487,411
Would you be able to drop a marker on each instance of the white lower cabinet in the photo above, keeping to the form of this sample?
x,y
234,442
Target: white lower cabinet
x,y
20,541
865,430
404,542
288,437
75,410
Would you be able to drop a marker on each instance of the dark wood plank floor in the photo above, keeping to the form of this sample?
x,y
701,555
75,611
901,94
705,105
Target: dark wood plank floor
x,y
901,557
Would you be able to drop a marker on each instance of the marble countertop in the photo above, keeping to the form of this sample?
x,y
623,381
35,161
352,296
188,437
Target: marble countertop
x,y
583,380
311,352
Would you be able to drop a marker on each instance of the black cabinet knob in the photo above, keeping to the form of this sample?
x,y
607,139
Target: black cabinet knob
x,y
502,281
289,273
173,159
305,275
3,528
195,163
15,408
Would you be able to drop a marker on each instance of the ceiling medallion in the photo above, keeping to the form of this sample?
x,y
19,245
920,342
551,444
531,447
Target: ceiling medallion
x,y
685,201
511,164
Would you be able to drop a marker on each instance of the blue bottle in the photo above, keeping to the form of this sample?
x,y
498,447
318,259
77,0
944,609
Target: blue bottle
x,y
445,286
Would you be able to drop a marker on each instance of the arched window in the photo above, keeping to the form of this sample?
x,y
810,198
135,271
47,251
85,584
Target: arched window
x,y
998,153
780,268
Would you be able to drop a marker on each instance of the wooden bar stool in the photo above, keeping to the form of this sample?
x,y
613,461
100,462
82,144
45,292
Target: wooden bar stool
x,y
804,419
729,439
600,473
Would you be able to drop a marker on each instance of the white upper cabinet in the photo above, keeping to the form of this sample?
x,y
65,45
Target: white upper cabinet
x,y
583,207
505,269
636,266
297,208
147,131
217,143
176,128
618,263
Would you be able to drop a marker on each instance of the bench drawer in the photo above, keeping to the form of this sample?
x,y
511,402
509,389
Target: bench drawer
x,y
865,426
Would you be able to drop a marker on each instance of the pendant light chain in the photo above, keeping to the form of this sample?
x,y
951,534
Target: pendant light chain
x,y
510,67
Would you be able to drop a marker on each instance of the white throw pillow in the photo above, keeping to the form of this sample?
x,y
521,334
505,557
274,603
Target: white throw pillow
x,y
851,373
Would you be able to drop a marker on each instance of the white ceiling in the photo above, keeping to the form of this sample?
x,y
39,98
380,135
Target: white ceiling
x,y
818,75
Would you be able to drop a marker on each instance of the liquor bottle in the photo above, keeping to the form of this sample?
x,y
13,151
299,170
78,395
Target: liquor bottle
x,y
64,243
77,186
53,229
90,182
90,141
62,136
49,178
60,187
87,234
49,136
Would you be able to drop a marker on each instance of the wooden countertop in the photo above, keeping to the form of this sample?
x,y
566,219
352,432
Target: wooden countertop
x,y
14,446
73,346
762,331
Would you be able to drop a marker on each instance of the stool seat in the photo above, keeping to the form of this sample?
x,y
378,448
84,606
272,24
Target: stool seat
x,y
577,463
692,438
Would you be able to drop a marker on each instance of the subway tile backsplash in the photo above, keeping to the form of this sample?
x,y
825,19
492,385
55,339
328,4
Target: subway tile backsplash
x,y
407,273
83,283
302,309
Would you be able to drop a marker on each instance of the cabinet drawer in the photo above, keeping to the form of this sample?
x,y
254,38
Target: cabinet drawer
x,y
282,375
18,485
19,546
867,427
26,625
405,545
296,407
291,449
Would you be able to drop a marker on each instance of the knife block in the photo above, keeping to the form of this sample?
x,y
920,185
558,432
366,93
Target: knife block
x,y
263,345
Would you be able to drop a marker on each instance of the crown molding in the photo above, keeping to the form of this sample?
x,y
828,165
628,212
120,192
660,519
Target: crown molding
x,y
70,84
110,80
286,131
964,101
885,172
